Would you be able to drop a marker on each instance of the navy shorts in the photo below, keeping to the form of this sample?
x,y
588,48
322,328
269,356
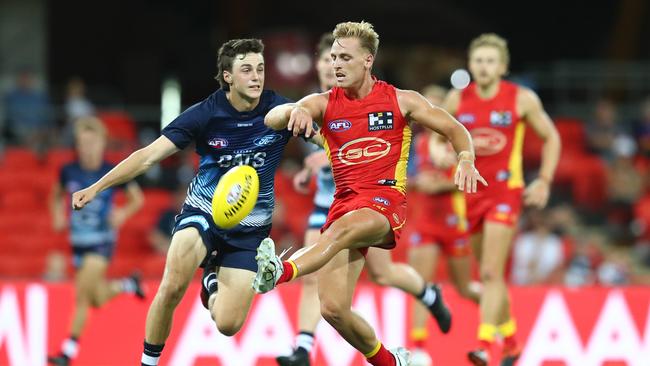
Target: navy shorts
x,y
318,217
105,250
234,248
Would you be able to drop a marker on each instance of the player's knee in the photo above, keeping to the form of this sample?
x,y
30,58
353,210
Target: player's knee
x,y
171,291
333,312
229,327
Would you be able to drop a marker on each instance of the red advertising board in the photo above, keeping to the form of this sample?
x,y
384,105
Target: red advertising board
x,y
587,326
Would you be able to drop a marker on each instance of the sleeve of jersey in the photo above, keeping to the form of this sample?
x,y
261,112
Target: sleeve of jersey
x,y
187,126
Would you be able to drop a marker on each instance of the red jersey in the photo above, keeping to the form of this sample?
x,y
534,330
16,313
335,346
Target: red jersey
x,y
498,135
367,140
440,211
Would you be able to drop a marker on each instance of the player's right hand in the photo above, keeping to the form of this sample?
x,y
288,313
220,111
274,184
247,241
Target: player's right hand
x,y
467,176
82,197
300,121
301,181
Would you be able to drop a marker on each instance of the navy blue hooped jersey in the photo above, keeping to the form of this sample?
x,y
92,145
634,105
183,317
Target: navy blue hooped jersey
x,y
90,226
226,138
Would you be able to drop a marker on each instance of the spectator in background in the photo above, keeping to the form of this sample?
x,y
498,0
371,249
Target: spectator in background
x,y
605,130
77,105
616,268
643,129
625,187
28,119
55,266
161,235
584,261
538,254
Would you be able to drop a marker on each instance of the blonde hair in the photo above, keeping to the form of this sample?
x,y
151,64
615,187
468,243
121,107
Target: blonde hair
x,y
491,40
92,124
363,31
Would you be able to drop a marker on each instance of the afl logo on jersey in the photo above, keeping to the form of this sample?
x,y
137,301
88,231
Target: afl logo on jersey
x,y
339,125
218,142
267,140
363,150
488,141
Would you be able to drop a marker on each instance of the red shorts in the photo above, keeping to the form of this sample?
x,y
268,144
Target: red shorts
x,y
452,242
387,201
496,206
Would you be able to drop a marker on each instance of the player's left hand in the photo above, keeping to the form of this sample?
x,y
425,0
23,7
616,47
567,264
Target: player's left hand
x,y
117,218
300,121
467,176
537,193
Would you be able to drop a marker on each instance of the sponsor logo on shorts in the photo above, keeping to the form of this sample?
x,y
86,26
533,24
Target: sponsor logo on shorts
x,y
415,238
196,218
381,200
363,150
488,141
218,142
380,121
503,175
267,140
466,118
504,207
339,125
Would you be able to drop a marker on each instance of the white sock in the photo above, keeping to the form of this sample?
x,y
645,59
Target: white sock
x,y
428,296
70,348
305,340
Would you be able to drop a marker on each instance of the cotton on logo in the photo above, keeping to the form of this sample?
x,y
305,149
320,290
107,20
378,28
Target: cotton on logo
x,y
24,341
340,125
363,150
488,141
218,143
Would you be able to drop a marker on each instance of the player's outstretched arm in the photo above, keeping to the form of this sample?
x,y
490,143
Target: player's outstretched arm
x,y
538,191
417,109
298,117
129,168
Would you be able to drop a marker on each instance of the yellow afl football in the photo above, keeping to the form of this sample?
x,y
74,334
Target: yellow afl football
x,y
235,196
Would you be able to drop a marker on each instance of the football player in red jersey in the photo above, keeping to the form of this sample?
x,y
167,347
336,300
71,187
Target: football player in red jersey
x,y
496,112
365,125
436,222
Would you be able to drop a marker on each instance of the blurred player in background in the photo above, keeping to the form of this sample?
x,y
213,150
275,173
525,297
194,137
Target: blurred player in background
x,y
496,113
437,221
365,124
228,129
381,268
93,231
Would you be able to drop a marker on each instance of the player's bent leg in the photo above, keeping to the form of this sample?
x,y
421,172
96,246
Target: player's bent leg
x,y
92,270
336,284
384,272
356,229
308,313
460,268
233,300
183,258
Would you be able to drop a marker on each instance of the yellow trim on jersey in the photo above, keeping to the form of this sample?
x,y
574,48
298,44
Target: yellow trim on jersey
x,y
460,209
515,165
400,168
326,147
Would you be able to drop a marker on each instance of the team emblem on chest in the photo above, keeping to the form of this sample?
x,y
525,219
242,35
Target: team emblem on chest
x,y
500,118
379,121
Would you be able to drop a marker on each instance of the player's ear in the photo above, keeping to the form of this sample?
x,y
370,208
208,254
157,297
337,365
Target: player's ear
x,y
370,59
227,77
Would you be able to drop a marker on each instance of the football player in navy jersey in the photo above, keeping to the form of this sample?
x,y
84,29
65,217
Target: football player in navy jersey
x,y
228,129
92,231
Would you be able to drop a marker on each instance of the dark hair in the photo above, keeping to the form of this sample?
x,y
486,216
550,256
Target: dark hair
x,y
229,50
324,44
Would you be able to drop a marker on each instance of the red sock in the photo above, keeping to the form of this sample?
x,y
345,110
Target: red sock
x,y
485,345
382,357
419,344
289,272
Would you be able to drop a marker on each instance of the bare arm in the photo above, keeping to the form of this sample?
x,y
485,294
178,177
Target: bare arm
x,y
532,111
433,183
298,117
134,201
417,109
136,164
57,208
